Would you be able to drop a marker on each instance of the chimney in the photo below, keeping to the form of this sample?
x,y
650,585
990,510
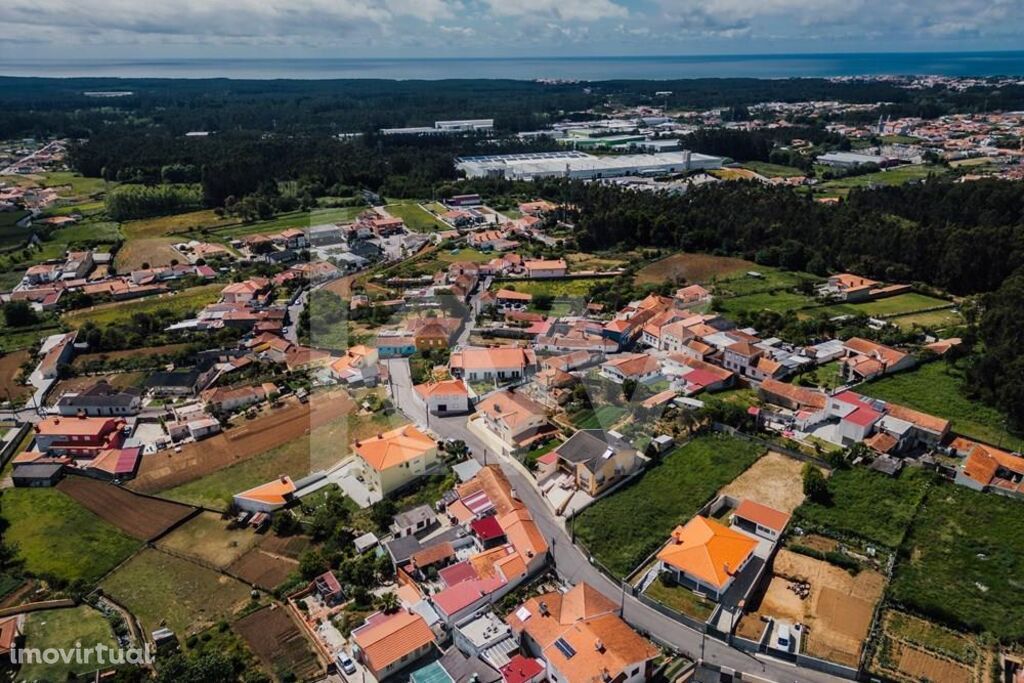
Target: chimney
x,y
598,645
283,478
380,435
544,609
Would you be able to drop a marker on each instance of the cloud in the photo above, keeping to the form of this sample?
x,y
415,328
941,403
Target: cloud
x,y
564,10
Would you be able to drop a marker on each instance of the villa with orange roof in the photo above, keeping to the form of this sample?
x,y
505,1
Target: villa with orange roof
x,y
865,359
266,497
392,460
510,421
79,436
706,556
358,365
502,364
448,397
581,638
986,468
387,643
539,268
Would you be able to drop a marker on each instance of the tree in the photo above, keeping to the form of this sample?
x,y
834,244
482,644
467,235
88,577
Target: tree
x,y
19,314
312,563
628,388
382,512
543,302
815,485
389,603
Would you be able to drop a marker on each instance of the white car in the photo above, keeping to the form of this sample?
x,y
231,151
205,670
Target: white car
x,y
345,662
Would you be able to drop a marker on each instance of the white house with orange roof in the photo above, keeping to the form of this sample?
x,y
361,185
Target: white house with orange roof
x,y
448,397
253,289
639,367
510,421
387,643
391,460
358,365
501,364
266,497
542,268
865,359
706,556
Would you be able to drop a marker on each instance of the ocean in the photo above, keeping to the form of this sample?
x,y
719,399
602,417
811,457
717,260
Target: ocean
x,y
576,68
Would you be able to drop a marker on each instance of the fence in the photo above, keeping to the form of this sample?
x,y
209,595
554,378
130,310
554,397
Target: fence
x,y
37,606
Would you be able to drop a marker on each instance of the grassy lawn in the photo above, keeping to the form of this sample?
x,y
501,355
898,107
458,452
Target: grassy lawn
x,y
464,254
295,219
318,450
208,537
79,185
602,418
62,629
179,222
932,320
931,636
962,561
739,284
87,548
13,338
10,233
867,505
902,303
89,231
681,599
824,376
780,301
624,528
937,388
182,303
415,217
575,288
893,176
158,588
773,170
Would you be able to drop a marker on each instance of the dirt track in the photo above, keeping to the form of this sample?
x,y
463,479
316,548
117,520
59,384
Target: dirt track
x,y
167,469
138,516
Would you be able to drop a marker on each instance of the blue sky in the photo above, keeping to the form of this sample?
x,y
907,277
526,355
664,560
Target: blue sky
x,y
500,28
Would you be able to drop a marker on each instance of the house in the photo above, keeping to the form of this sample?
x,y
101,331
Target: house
x,y
37,474
692,295
851,288
597,459
172,383
395,345
433,334
511,300
328,588
255,289
413,521
857,416
865,359
639,367
387,643
706,556
760,520
394,459
742,358
226,399
986,468
514,419
791,396
541,268
100,400
78,436
500,364
358,365
537,207
267,497
581,638
448,397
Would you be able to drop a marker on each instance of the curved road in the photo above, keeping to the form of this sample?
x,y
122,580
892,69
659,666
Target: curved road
x,y
572,564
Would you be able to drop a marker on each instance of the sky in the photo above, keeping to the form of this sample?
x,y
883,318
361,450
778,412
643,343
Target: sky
x,y
146,29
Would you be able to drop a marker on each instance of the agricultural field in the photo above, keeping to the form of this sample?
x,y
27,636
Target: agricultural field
x,y
11,234
10,369
136,254
208,538
775,480
578,288
773,170
296,457
692,268
62,629
581,261
961,562
88,548
901,304
263,569
464,254
183,303
139,517
778,301
930,320
911,649
177,223
279,434
295,219
279,643
74,184
624,528
867,505
162,589
898,175
938,388
416,218
767,280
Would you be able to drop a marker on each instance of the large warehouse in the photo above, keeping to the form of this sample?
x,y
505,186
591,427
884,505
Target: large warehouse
x,y
573,164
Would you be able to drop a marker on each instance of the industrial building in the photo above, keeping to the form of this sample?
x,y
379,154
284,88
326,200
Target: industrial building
x,y
582,166
444,128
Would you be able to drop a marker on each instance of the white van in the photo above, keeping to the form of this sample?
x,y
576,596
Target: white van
x,y
784,640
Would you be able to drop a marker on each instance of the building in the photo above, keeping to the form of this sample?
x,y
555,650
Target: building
x,y
581,639
387,643
512,418
79,436
101,400
413,521
760,520
500,364
865,359
849,159
582,166
546,268
227,399
706,556
394,459
448,397
639,367
596,459
358,365
37,474
267,497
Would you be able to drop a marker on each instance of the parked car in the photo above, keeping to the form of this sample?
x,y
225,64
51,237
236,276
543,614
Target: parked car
x,y
345,662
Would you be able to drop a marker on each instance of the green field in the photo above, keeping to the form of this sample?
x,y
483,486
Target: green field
x,y
681,599
962,561
773,170
179,222
603,417
574,288
182,303
740,284
79,185
779,301
894,176
464,254
938,388
10,234
890,306
931,320
867,505
415,217
160,588
63,629
57,537
295,219
624,528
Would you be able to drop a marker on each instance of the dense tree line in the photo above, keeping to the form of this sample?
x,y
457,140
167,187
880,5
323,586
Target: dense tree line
x,y
140,201
744,145
997,374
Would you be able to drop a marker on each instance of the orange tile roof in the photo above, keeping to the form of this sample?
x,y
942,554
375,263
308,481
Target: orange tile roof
x,y
707,550
799,395
77,426
511,407
522,532
487,359
513,295
636,364
767,517
385,641
919,419
398,446
450,387
277,492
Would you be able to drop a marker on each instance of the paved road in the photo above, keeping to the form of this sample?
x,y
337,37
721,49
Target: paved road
x,y
573,566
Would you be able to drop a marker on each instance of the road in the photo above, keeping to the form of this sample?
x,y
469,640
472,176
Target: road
x,y
573,566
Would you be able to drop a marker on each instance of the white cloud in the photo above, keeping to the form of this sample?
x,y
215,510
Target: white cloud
x,y
565,10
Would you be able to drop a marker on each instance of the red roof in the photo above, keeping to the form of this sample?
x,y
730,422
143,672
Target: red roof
x,y
767,517
460,596
521,669
457,573
487,528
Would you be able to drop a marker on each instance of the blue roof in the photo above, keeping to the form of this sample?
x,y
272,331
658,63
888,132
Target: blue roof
x,y
431,673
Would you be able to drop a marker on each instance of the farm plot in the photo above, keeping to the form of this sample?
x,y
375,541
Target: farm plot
x,y
624,528
162,589
838,608
279,643
779,301
961,561
285,546
775,480
912,649
137,253
559,288
263,569
208,538
138,516
691,268
10,368
271,429
415,217
62,629
89,547
179,222
182,303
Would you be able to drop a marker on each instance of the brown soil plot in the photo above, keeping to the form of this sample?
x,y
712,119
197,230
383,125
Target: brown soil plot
x,y
263,570
691,267
775,480
278,642
138,516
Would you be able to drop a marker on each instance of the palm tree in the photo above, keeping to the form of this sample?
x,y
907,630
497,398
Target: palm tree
x,y
388,603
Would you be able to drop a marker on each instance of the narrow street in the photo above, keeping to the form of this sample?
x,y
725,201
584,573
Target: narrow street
x,y
573,566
